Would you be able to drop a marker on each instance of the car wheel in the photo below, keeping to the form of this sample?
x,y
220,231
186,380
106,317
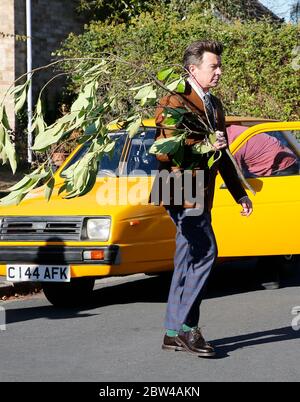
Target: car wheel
x,y
272,269
269,268
69,294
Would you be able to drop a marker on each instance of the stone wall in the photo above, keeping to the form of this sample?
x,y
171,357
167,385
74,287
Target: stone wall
x,y
52,21
7,53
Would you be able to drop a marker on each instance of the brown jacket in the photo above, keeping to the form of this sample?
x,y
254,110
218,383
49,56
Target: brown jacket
x,y
191,101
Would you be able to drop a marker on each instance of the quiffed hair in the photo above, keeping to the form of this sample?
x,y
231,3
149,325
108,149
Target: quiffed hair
x,y
194,52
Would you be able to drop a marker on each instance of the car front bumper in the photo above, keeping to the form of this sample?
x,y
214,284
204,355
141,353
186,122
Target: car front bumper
x,y
58,255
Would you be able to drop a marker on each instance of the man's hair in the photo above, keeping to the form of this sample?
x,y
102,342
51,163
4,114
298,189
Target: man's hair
x,y
194,52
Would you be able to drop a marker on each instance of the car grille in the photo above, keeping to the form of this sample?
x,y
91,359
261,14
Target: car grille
x,y
40,228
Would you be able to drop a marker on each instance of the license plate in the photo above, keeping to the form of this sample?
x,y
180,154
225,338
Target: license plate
x,y
38,273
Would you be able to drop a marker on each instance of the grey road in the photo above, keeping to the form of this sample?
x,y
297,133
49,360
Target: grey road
x,y
117,337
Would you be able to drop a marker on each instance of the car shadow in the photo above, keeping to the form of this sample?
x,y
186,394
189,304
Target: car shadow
x,y
226,279
34,313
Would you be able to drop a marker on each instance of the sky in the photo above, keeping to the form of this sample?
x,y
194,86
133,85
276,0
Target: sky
x,y
280,7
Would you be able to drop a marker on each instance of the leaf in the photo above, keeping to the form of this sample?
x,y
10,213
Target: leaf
x,y
212,159
3,157
4,118
20,100
18,88
109,147
174,84
40,125
93,127
62,188
83,99
39,174
139,87
165,73
1,112
170,121
2,136
146,92
166,145
178,157
94,70
39,106
22,183
202,148
12,199
181,86
82,175
173,116
212,137
49,188
134,126
176,112
16,196
11,153
48,137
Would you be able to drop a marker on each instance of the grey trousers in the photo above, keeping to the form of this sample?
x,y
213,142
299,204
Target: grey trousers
x,y
195,255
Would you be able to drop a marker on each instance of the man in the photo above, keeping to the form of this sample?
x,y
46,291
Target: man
x,y
196,248
263,155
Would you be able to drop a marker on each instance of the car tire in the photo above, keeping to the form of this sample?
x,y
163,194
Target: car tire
x,y
272,269
69,294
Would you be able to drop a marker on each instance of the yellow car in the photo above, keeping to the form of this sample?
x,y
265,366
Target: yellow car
x,y
66,244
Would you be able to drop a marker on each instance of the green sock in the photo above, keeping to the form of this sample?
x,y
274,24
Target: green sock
x,y
186,328
171,332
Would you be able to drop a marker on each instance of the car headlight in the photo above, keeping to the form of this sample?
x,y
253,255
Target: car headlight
x,y
98,228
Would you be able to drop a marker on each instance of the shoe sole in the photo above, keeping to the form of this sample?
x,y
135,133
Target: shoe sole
x,y
170,348
200,354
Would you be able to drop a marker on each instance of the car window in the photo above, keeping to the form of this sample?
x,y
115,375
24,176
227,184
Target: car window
x,y
107,164
269,154
139,160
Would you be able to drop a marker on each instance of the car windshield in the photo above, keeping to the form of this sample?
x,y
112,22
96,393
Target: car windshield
x,y
107,164
139,161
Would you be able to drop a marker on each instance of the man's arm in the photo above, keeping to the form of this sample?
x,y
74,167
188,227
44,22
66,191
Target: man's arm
x,y
226,167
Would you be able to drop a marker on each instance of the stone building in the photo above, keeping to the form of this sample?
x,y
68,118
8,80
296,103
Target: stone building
x,y
52,21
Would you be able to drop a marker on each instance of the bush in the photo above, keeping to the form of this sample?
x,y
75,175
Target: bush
x,y
258,78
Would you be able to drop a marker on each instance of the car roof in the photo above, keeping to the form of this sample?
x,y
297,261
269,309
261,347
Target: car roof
x,y
247,120
240,120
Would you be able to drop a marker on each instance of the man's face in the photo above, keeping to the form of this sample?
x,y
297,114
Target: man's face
x,y
208,72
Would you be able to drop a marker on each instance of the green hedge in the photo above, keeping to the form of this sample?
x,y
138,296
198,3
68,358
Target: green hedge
x,y
258,77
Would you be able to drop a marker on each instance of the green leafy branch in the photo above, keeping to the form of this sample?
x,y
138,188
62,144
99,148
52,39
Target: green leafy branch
x,y
90,113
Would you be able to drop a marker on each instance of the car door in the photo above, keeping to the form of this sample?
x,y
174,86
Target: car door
x,y
273,227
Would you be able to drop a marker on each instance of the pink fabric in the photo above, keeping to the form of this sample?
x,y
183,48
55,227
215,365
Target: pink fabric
x,y
262,154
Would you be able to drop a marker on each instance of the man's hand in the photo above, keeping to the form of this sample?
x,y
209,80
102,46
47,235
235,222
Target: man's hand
x,y
221,141
246,203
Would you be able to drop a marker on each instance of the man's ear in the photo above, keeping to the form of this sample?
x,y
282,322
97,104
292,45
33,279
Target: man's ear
x,y
192,68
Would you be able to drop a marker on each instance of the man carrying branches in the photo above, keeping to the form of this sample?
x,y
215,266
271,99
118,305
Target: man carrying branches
x,y
204,148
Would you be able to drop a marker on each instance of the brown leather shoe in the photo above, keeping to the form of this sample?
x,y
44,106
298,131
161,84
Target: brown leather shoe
x,y
170,344
193,342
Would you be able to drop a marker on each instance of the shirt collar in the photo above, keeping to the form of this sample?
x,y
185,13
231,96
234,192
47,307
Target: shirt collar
x,y
197,88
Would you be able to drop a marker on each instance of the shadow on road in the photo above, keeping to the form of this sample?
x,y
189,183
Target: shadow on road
x,y
230,344
226,279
